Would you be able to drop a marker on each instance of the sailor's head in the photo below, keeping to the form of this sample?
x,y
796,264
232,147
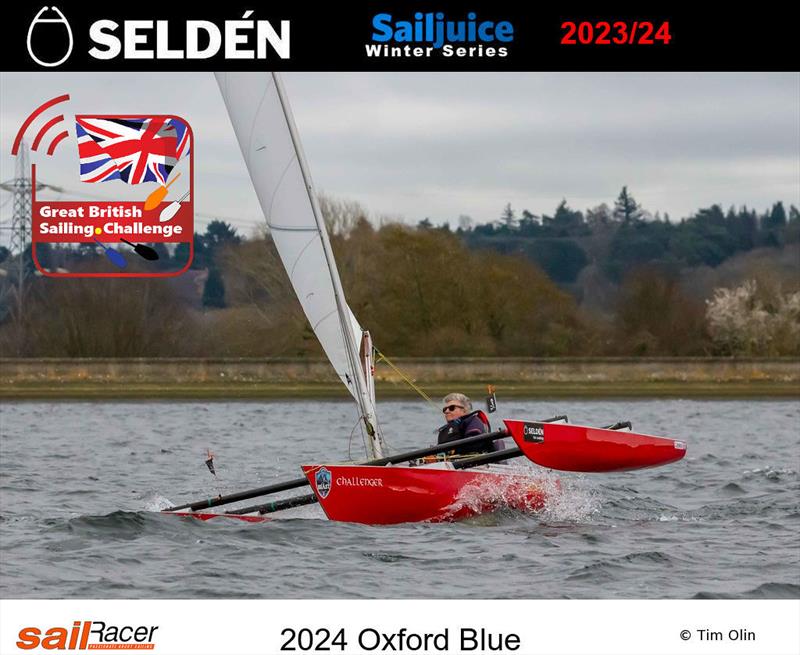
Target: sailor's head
x,y
455,405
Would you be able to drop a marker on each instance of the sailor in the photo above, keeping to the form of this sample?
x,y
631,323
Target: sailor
x,y
463,422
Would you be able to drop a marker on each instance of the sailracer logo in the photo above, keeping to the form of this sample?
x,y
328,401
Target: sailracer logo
x,y
88,635
435,34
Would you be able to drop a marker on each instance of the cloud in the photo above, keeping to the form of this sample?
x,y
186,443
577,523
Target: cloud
x,y
439,145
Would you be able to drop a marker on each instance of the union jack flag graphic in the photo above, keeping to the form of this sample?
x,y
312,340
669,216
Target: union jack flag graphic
x,y
134,150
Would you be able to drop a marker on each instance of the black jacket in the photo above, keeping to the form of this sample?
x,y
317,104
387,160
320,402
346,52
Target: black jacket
x,y
468,425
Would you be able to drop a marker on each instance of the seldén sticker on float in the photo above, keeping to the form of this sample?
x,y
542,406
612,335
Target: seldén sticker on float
x,y
147,159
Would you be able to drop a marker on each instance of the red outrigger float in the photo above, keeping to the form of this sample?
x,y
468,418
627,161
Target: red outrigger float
x,y
207,516
567,447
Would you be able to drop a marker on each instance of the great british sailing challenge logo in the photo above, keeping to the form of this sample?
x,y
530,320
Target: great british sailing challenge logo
x,y
153,153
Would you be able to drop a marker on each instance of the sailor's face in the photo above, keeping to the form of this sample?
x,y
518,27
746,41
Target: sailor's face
x,y
453,411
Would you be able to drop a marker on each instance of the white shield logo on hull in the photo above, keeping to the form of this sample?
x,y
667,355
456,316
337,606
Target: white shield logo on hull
x,y
322,479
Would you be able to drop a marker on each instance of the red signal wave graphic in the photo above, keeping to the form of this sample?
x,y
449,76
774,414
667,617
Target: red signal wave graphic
x,y
33,116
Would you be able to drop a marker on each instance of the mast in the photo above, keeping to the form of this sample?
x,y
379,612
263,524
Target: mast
x,y
270,143
365,402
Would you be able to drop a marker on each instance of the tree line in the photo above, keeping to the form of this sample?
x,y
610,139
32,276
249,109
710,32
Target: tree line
x,y
627,236
608,281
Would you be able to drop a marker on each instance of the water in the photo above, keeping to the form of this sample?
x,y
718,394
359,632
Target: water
x,y
77,481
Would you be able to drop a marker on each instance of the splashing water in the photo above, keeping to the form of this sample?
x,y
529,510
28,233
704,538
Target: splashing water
x,y
768,472
522,489
155,502
569,499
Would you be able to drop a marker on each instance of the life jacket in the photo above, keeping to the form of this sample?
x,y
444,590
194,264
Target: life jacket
x,y
457,429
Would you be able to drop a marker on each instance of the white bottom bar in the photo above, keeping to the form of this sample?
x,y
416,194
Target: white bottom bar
x,y
524,627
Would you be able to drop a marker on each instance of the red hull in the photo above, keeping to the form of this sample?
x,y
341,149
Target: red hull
x,y
569,447
400,494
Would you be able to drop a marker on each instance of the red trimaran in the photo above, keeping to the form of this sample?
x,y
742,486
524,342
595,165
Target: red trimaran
x,y
386,488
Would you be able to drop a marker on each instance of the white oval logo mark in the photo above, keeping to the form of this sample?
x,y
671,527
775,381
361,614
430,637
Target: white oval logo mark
x,y
61,20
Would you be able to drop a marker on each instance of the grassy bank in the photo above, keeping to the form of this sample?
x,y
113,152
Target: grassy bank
x,y
231,379
26,392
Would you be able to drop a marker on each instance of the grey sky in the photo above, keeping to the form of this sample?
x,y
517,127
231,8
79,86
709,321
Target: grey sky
x,y
441,145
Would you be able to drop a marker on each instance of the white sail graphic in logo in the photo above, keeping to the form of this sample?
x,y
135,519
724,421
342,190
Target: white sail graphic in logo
x,y
61,20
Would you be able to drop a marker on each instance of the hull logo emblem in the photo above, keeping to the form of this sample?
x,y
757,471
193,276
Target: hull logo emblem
x,y
322,479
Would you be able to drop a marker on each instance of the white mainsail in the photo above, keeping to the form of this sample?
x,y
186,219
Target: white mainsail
x,y
271,148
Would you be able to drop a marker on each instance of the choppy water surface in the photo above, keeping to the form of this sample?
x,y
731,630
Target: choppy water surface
x,y
77,481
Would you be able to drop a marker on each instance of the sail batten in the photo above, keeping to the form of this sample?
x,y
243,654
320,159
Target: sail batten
x,y
324,318
286,170
290,229
268,139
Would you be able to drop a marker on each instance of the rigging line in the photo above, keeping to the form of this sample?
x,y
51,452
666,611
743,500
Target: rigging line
x,y
386,442
384,358
350,440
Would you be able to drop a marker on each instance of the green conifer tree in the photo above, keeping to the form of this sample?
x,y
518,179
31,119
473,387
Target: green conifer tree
x,y
626,210
214,289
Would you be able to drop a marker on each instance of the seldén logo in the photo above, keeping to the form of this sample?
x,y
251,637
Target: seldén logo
x,y
50,38
434,34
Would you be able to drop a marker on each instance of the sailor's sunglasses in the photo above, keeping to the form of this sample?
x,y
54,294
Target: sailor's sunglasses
x,y
451,408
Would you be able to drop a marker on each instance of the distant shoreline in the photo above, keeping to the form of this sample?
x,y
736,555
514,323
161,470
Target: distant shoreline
x,y
274,378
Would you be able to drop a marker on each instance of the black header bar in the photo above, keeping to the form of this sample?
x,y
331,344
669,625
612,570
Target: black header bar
x,y
395,36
